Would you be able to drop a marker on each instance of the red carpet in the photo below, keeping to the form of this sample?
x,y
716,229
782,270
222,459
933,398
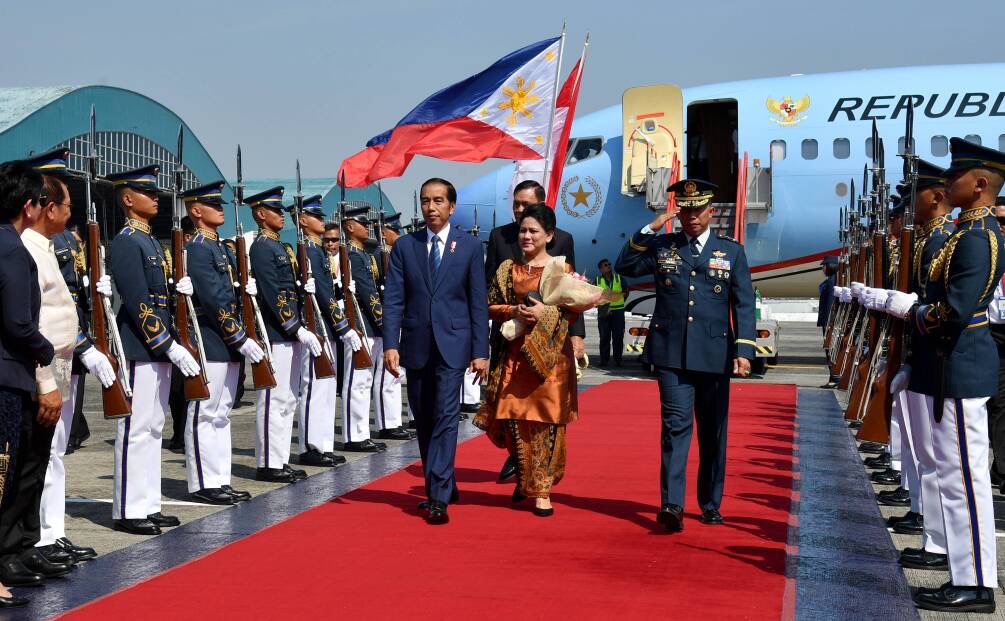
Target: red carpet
x,y
367,555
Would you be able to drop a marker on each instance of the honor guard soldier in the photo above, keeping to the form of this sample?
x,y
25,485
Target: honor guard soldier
x,y
318,395
360,384
390,420
702,331
140,270
955,321
212,267
73,267
273,265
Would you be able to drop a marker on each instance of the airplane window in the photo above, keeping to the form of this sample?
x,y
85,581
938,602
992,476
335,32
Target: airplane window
x,y
940,146
1001,142
777,149
974,138
842,148
868,148
585,148
841,189
809,149
900,145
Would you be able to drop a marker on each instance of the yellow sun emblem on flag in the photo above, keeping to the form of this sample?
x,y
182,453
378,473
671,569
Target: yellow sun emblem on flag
x,y
520,99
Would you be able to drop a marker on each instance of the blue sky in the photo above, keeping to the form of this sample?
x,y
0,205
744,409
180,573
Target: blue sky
x,y
314,80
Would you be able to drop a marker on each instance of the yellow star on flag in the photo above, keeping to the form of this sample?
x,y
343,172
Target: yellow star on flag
x,y
549,55
519,100
581,195
538,139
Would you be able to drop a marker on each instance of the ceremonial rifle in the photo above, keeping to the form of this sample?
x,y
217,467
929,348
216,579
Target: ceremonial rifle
x,y
313,318
385,251
834,313
115,400
196,387
851,338
360,358
262,374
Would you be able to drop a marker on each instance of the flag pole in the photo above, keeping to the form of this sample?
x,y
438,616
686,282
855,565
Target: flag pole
x,y
554,99
558,167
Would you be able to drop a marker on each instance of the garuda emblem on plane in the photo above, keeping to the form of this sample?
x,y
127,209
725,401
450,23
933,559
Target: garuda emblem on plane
x,y
787,112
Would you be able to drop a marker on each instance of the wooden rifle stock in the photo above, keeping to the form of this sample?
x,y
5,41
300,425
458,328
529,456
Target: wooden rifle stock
x,y
360,359
322,363
114,402
862,389
261,372
196,388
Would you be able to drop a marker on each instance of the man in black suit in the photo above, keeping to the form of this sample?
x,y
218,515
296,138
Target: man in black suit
x,y
503,244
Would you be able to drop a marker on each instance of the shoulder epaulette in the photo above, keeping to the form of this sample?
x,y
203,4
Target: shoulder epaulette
x,y
727,238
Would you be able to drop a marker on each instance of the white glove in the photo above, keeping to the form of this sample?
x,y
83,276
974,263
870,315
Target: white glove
x,y
184,286
901,379
340,304
306,337
899,303
98,365
309,286
856,290
104,286
351,340
869,297
252,351
845,295
836,291
352,287
880,296
252,287
180,358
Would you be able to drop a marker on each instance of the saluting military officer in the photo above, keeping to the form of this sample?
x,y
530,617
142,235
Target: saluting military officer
x,y
138,267
318,395
359,385
273,265
212,267
701,281
965,271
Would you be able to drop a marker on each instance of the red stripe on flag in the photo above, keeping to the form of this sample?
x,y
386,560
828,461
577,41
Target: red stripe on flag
x,y
567,98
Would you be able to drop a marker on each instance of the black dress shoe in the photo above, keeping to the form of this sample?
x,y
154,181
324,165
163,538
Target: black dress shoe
x,y
829,385
886,477
55,554
437,513
12,602
366,446
912,524
899,497
412,425
893,519
880,462
916,558
957,599
69,451
163,520
13,573
238,495
176,445
872,447
855,424
539,512
394,434
463,415
470,408
508,470
314,457
213,496
381,445
275,475
81,553
671,517
37,563
300,475
338,460
711,517
136,527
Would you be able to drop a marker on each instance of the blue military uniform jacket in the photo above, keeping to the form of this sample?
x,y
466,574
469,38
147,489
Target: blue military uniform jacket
x,y
274,269
365,274
932,237
826,299
73,267
139,267
691,327
968,268
212,267
326,294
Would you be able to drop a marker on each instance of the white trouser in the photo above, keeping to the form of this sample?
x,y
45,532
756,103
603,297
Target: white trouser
x,y
894,445
277,406
908,461
207,430
961,462
471,391
357,390
386,391
137,480
52,510
919,410
317,406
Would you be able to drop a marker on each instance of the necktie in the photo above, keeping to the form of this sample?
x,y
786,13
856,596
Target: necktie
x,y
434,255
694,247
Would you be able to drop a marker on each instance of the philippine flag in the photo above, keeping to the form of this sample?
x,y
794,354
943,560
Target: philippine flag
x,y
503,112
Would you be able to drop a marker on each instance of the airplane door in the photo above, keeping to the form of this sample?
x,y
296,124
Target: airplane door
x,y
653,126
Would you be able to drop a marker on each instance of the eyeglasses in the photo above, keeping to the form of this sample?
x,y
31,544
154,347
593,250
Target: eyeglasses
x,y
330,240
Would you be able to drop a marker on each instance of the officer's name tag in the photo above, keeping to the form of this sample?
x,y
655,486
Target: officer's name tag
x,y
668,261
718,264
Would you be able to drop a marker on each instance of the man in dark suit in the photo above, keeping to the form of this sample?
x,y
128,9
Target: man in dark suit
x,y
504,244
436,313
829,266
701,333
